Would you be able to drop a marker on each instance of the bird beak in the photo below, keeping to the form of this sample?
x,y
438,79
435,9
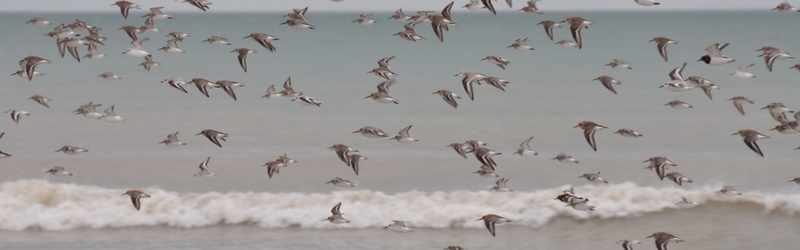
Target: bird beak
x,y
735,133
576,126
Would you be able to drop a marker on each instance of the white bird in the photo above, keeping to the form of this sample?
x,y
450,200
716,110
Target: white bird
x,y
491,220
93,52
628,133
217,41
172,47
137,50
496,60
686,202
468,78
521,45
136,197
486,171
525,148
339,182
742,72
738,101
567,43
646,2
204,171
336,216
365,19
403,136
109,76
715,56
307,101
72,150
783,7
729,191
500,186
176,83
594,177
564,158
531,7
89,111
38,21
58,171
110,116
272,93
677,104
17,114
448,97
371,132
474,5
383,96
21,73
172,140
156,15
399,226
676,84
581,205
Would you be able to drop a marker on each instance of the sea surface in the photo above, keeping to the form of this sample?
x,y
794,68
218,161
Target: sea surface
x,y
550,91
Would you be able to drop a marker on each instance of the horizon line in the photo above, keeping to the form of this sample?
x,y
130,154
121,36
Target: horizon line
x,y
390,11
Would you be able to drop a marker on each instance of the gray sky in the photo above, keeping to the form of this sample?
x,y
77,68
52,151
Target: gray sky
x,y
384,5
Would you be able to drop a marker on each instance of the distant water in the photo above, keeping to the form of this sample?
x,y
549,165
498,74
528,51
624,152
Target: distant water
x,y
426,183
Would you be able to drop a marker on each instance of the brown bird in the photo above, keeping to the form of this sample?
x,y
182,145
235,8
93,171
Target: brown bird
x,y
589,128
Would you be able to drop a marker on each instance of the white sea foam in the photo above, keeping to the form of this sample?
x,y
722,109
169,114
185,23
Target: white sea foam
x,y
27,204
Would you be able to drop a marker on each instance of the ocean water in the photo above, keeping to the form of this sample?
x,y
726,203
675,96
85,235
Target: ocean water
x,y
426,183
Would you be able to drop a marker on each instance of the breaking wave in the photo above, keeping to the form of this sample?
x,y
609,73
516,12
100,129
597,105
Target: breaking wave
x,y
38,204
